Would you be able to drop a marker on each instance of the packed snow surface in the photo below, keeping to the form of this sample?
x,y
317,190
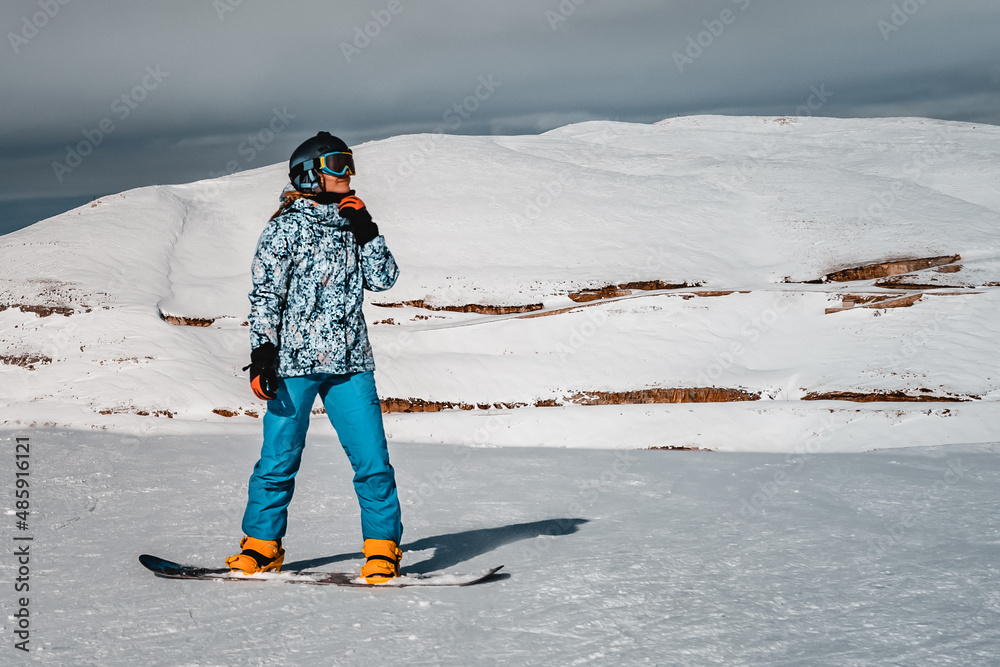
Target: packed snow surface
x,y
611,557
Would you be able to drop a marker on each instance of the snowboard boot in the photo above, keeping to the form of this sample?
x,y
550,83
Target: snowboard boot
x,y
257,556
382,562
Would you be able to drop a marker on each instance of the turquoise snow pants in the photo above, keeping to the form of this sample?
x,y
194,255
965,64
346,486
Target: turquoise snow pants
x,y
352,405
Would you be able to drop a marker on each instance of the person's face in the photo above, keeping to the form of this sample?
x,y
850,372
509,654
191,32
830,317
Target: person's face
x,y
336,184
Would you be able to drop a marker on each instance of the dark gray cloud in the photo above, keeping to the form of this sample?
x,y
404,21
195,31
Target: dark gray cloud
x,y
200,76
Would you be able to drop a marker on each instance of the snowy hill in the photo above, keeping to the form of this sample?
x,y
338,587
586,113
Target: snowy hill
x,y
684,284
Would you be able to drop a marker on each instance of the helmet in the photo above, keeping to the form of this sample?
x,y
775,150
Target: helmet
x,y
305,163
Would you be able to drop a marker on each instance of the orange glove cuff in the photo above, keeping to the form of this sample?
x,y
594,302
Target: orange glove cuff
x,y
259,391
350,201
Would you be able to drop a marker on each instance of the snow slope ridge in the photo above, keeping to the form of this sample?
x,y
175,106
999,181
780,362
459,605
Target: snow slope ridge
x,y
604,284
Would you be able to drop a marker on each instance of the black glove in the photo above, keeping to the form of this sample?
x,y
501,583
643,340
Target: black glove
x,y
263,371
362,226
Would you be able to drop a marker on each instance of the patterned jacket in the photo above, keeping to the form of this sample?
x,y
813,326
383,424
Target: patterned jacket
x,y
308,280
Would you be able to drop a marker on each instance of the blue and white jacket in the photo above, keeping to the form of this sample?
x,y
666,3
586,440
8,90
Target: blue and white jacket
x,y
308,281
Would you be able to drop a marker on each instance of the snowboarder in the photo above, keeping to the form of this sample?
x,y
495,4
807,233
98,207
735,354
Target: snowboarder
x,y
308,337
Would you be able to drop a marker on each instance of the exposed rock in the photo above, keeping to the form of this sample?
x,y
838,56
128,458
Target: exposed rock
x,y
625,289
886,269
41,311
25,359
663,395
875,301
482,309
134,411
678,448
927,395
187,321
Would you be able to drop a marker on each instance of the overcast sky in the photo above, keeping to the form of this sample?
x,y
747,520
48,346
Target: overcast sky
x,y
157,92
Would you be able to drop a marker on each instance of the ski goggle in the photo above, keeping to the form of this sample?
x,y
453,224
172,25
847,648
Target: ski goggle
x,y
334,164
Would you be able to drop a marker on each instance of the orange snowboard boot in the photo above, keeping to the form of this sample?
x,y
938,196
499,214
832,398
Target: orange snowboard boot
x,y
382,562
257,556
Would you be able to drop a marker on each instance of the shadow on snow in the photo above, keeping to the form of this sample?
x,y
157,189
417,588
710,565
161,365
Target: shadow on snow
x,y
454,548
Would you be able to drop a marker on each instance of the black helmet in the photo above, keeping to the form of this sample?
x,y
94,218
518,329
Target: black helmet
x,y
304,165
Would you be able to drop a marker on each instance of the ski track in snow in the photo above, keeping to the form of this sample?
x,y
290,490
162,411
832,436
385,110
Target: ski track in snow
x,y
612,557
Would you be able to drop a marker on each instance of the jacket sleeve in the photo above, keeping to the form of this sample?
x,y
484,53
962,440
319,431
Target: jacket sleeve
x,y
377,265
270,273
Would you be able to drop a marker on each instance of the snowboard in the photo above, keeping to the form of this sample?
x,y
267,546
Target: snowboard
x,y
171,570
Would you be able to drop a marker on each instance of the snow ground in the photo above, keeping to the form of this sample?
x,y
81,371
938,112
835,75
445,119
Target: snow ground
x,y
612,557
